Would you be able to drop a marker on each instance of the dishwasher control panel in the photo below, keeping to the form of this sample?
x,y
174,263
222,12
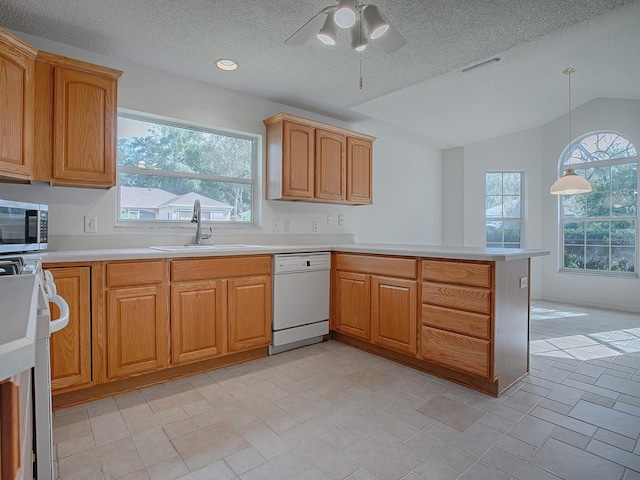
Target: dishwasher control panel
x,y
301,262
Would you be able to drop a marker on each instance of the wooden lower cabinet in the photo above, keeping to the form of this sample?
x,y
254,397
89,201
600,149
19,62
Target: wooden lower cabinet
x,y
71,347
198,320
393,313
374,304
455,351
249,316
137,330
353,298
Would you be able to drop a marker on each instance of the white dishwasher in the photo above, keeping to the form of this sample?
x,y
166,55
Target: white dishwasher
x,y
300,300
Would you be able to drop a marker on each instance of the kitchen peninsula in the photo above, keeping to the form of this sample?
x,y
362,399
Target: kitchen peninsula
x,y
461,313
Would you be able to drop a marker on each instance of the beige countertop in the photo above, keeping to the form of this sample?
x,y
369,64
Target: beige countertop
x,y
426,251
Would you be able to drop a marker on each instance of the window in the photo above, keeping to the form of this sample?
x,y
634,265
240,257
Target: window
x,y
503,210
163,168
599,229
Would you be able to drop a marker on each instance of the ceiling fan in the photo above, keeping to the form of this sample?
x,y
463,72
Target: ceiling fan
x,y
364,21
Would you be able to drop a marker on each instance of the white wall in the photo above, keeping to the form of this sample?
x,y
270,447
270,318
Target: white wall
x,y
537,152
407,200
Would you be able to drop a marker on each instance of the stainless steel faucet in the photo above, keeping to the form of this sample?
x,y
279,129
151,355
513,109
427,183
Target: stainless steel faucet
x,y
197,213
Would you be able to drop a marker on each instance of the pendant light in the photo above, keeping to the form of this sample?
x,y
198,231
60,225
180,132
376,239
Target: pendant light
x,y
570,182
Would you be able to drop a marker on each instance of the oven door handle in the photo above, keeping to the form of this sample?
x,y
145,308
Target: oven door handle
x,y
63,321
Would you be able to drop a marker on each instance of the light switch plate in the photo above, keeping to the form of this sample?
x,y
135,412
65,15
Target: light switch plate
x,y
524,282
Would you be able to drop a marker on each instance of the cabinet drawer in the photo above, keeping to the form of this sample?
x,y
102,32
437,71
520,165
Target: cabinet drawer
x,y
456,352
474,274
457,321
463,298
390,266
136,273
219,267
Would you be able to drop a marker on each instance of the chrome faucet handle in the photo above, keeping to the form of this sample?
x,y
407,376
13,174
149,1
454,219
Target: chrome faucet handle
x,y
207,236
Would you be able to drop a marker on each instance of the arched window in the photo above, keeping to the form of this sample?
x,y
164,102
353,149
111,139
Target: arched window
x,y
599,229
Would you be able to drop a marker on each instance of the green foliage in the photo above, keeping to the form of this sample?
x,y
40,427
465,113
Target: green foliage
x,y
167,149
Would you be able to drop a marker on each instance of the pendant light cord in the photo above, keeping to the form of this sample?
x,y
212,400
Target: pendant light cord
x,y
568,72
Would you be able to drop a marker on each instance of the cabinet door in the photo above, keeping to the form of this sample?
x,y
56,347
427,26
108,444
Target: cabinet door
x,y
84,138
359,171
331,168
16,111
393,313
137,330
198,321
297,160
353,304
249,313
71,346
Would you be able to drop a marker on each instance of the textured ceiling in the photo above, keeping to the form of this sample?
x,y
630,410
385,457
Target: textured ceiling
x,y
419,88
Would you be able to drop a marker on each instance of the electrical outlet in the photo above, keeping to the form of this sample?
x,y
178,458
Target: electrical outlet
x,y
287,225
341,220
90,224
275,225
316,226
329,220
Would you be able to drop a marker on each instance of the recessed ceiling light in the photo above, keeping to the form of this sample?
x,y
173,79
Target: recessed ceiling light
x,y
226,64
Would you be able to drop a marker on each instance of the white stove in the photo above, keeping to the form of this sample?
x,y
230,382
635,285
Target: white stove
x,y
32,265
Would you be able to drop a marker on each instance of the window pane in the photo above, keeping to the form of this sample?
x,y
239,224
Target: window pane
x,y
494,233
494,207
163,147
511,183
597,233
597,258
511,208
623,259
574,257
159,197
623,233
512,232
624,185
574,233
493,184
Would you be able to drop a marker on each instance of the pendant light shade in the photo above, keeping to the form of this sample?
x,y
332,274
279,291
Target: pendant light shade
x,y
345,14
570,183
359,40
377,25
329,31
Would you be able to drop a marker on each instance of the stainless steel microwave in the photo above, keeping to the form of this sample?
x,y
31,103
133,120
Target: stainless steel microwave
x,y
23,226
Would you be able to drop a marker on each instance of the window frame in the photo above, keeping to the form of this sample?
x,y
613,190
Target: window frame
x,y
503,219
563,164
255,181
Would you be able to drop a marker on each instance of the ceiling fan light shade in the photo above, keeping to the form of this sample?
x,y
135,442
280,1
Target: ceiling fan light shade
x,y
376,24
570,183
359,40
329,31
345,14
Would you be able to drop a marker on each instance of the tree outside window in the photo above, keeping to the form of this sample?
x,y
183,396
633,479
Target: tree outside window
x,y
163,168
503,209
599,229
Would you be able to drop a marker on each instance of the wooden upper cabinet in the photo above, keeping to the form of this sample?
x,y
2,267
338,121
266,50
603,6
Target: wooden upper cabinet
x,y
76,122
331,168
297,160
71,346
17,67
315,162
359,170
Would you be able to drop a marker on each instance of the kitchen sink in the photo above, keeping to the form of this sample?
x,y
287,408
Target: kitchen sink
x,y
195,248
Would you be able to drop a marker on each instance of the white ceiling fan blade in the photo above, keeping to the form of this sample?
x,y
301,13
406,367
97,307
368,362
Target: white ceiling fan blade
x,y
392,40
309,29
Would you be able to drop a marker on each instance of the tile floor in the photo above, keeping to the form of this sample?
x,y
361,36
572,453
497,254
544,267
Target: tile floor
x,y
329,411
